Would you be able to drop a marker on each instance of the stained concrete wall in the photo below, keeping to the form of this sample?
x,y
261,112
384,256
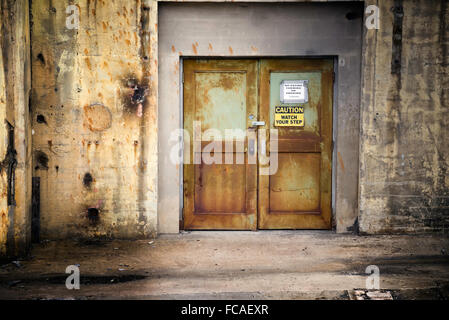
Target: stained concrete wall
x,y
97,156
404,158
94,149
15,84
3,148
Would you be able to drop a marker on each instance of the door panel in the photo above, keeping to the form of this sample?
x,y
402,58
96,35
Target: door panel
x,y
298,195
220,100
220,193
220,188
296,185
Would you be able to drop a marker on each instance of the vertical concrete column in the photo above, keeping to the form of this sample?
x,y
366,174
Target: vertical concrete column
x,y
15,45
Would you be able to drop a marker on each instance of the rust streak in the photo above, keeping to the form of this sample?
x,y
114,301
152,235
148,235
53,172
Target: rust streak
x,y
340,160
89,66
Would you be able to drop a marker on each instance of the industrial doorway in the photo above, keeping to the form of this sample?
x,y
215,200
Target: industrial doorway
x,y
228,183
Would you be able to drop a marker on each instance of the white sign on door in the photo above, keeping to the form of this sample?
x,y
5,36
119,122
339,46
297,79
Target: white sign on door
x,y
294,91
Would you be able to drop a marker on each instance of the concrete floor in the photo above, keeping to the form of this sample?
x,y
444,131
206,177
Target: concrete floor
x,y
233,265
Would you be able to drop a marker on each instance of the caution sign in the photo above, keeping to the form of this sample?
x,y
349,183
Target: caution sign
x,y
289,116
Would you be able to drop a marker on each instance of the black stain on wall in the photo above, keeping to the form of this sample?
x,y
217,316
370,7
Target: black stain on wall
x,y
41,160
442,35
41,58
40,119
93,214
35,209
396,53
134,94
9,164
355,227
87,180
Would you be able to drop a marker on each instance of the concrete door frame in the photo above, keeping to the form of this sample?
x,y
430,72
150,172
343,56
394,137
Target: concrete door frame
x,y
179,37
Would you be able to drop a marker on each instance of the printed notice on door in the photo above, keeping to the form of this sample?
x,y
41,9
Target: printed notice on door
x,y
289,116
294,91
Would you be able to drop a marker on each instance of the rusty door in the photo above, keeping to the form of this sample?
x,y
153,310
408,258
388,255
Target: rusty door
x,y
298,194
222,95
220,180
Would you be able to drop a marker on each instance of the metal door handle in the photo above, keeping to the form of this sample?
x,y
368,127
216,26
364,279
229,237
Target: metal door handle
x,y
258,123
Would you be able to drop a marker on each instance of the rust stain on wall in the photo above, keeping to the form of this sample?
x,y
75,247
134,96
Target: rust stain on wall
x,y
340,160
101,76
97,117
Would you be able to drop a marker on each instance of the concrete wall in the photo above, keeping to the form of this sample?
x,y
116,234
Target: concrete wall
x,y
94,151
97,156
15,84
3,148
404,158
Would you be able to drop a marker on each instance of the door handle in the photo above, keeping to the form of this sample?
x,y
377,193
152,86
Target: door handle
x,y
258,123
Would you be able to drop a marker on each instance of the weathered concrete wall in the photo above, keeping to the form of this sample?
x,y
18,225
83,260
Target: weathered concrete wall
x,y
3,147
15,159
96,154
94,147
404,158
